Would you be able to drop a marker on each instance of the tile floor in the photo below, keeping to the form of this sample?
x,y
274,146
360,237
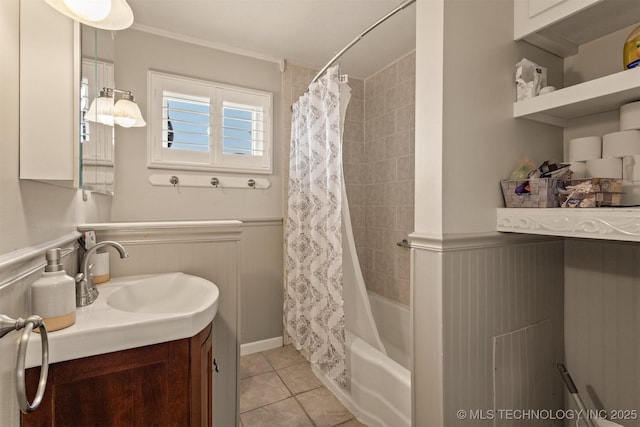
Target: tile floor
x,y
278,389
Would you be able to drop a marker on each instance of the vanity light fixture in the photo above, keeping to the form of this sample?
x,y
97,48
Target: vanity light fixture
x,y
123,112
103,14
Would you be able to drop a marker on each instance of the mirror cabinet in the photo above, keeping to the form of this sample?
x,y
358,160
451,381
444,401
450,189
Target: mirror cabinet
x,y
63,66
96,139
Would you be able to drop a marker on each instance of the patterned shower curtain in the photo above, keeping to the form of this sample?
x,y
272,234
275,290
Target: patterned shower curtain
x,y
313,303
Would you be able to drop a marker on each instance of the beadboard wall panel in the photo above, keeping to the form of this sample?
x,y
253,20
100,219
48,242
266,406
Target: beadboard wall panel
x,y
262,281
492,291
215,256
467,292
602,324
526,358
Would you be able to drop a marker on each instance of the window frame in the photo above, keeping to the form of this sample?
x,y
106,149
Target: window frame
x,y
214,159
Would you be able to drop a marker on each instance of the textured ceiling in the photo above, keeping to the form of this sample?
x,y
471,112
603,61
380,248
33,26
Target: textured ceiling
x,y
308,32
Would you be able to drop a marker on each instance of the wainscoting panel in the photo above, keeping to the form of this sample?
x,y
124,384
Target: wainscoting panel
x,y
488,292
262,280
524,374
602,324
477,288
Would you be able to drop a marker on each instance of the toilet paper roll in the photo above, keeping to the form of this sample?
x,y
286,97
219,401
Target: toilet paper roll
x,y
631,168
587,148
100,268
579,170
630,116
620,144
604,168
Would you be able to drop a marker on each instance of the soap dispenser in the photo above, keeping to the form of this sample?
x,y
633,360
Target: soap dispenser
x,y
53,296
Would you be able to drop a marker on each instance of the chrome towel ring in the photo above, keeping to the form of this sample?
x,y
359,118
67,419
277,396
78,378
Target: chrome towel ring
x,y
7,325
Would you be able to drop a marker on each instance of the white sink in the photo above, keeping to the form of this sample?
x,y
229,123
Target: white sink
x,y
167,293
132,312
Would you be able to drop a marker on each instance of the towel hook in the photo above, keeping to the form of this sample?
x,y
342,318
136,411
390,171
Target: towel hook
x,y
7,325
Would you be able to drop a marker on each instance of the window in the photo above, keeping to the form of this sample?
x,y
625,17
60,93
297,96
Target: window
x,y
200,125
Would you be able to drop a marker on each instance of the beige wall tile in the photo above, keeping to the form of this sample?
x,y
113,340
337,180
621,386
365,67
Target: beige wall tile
x,y
355,111
405,218
384,262
356,193
354,131
385,125
405,118
386,79
375,150
406,167
357,89
407,67
374,107
398,96
400,144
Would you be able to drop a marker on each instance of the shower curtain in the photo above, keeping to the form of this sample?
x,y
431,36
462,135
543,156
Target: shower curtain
x,y
313,301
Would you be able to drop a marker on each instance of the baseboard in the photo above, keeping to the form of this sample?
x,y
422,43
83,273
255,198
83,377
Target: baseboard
x,y
258,346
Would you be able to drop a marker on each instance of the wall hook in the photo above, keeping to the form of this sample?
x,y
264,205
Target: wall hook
x,y
215,182
252,183
174,180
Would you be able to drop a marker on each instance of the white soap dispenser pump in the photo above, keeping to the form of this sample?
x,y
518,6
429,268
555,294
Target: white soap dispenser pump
x,y
53,296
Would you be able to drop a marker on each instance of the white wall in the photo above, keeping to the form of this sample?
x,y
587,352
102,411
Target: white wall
x,y
137,52
466,142
135,199
466,137
31,213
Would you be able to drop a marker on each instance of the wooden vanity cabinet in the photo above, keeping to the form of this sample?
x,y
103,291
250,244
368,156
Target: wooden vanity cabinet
x,y
167,384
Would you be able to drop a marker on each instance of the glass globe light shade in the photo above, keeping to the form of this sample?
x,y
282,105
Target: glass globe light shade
x,y
91,10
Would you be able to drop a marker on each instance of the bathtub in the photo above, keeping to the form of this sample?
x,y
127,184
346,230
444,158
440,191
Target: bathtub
x,y
378,390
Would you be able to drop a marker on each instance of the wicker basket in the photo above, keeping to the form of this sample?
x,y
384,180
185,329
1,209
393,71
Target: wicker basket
x,y
544,193
609,194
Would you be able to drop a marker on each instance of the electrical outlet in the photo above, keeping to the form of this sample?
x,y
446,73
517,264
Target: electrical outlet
x,y
89,239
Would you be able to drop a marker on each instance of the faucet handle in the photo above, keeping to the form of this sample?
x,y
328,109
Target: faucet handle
x,y
79,277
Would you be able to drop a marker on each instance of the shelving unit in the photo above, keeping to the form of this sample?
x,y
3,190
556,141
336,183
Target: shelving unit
x,y
560,26
595,96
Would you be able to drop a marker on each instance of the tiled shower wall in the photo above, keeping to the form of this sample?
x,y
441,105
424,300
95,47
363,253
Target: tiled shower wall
x,y
378,158
388,173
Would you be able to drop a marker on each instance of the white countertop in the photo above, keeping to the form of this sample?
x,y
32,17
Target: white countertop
x,y
100,328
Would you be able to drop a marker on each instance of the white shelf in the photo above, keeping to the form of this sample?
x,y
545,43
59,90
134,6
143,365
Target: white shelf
x,y
621,224
582,22
595,96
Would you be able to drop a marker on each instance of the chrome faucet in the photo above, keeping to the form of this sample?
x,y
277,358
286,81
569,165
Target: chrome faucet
x,y
86,291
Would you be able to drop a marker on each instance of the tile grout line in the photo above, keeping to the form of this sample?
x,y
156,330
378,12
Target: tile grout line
x,y
292,394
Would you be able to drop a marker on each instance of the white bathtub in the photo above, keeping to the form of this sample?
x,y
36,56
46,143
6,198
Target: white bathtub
x,y
393,322
378,390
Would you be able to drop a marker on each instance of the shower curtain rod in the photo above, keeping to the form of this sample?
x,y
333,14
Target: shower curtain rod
x,y
364,33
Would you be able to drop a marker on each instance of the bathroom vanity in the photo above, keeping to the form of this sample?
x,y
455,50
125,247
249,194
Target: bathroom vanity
x,y
162,384
140,354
